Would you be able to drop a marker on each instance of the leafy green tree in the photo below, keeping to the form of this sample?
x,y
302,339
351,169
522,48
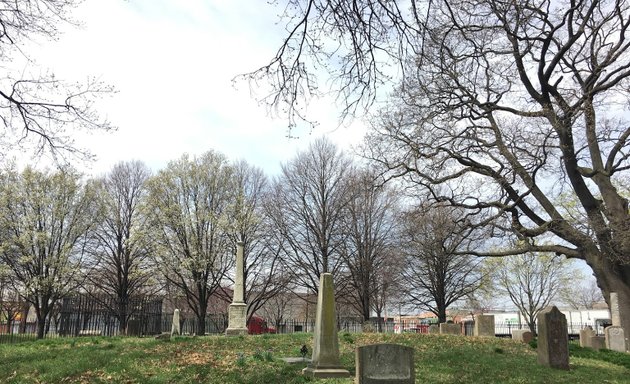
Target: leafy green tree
x,y
188,206
47,220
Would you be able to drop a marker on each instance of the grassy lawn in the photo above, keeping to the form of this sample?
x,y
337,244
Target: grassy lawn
x,y
255,359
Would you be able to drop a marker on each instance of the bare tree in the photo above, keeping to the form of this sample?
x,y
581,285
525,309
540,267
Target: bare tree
x,y
120,258
583,294
505,105
369,225
530,281
48,218
36,108
435,274
308,201
187,204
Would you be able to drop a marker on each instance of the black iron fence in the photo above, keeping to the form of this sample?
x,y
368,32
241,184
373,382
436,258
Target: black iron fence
x,y
85,316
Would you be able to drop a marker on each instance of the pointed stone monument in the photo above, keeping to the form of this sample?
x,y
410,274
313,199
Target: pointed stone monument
x,y
175,328
325,360
237,313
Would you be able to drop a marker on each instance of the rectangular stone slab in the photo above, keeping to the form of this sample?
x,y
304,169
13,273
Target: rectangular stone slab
x,y
385,364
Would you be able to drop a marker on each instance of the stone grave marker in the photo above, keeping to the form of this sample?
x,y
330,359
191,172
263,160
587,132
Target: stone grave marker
x,y
384,364
597,342
450,329
553,339
615,317
522,335
484,326
237,311
175,328
434,328
585,337
615,338
325,359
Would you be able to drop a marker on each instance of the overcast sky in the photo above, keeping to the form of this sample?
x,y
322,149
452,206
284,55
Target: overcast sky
x,y
172,63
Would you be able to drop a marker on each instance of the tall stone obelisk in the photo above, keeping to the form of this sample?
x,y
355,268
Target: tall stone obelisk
x,y
325,360
237,317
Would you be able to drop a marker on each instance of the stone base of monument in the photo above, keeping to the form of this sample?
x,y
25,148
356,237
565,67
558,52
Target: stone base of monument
x,y
327,372
237,320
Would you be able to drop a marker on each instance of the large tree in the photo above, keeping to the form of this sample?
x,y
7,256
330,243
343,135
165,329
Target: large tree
x,y
435,274
369,225
37,108
47,219
307,207
506,104
120,254
187,204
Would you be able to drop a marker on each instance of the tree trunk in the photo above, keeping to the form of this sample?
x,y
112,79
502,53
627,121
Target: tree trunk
x,y
441,315
614,277
201,324
41,327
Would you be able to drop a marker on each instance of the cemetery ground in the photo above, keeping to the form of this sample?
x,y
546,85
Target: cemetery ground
x,y
256,359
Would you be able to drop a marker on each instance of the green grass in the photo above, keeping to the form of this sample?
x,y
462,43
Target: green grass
x,y
255,359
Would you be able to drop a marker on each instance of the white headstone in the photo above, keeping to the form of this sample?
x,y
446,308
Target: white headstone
x,y
237,312
175,328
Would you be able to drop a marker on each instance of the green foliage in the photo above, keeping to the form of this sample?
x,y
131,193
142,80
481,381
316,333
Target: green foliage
x,y
241,360
347,337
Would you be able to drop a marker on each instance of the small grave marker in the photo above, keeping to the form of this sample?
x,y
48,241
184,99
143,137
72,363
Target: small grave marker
x,y
385,364
484,326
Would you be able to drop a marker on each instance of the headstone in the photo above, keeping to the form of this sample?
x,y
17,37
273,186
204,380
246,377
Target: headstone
x,y
434,328
325,359
385,364
484,326
615,338
553,339
237,312
615,317
522,335
597,342
175,328
450,329
134,327
585,337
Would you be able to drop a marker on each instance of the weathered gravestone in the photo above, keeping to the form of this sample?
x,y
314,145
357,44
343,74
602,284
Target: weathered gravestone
x,y
325,359
585,337
615,316
175,328
615,338
450,329
434,328
522,335
384,364
134,327
597,342
553,339
484,326
237,311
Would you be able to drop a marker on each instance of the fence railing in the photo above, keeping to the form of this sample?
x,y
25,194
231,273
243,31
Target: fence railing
x,y
146,324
